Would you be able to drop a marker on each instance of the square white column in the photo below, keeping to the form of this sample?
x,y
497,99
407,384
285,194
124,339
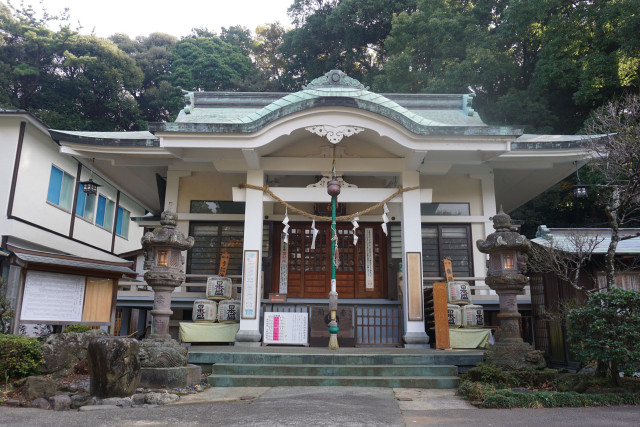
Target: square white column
x,y
249,333
414,332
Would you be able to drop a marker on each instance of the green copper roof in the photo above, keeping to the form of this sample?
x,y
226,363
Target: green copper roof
x,y
138,138
422,114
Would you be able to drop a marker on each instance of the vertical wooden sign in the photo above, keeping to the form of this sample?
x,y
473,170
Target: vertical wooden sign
x,y
440,314
224,263
415,295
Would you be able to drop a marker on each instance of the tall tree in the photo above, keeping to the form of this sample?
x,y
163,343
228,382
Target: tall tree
x,y
68,80
268,58
209,63
343,34
158,99
617,160
543,64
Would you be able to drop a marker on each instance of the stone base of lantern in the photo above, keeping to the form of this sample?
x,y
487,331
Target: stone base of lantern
x,y
514,355
177,377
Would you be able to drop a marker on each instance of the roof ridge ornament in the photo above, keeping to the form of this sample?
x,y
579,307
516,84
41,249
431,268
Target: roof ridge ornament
x,y
335,78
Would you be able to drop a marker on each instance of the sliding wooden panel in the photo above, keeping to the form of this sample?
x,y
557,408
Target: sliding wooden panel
x,y
97,300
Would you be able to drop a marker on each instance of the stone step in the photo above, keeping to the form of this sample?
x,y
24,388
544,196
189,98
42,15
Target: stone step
x,y
335,370
434,382
462,360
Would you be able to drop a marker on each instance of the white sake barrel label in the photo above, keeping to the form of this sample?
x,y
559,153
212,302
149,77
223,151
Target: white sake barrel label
x,y
459,292
454,315
204,311
218,288
473,316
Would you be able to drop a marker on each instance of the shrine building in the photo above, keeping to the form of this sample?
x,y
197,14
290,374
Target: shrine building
x,y
421,175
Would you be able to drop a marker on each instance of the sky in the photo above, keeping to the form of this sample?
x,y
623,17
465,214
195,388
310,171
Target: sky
x,y
176,17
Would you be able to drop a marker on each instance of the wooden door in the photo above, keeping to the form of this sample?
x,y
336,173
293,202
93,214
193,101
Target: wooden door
x,y
309,271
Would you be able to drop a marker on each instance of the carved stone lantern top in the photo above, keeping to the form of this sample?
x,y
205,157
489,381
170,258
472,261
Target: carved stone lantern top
x,y
167,235
504,238
167,238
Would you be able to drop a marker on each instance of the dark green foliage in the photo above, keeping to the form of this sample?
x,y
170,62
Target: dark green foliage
x,y
346,34
607,330
208,63
541,64
492,387
500,378
77,329
508,399
68,80
6,312
475,391
21,356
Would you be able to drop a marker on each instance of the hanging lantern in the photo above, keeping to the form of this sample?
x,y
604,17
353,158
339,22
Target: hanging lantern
x,y
90,187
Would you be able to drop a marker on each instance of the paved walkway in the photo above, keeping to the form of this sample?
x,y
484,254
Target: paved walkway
x,y
322,406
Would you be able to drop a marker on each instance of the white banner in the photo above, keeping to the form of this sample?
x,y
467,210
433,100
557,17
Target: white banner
x,y
250,284
284,265
368,254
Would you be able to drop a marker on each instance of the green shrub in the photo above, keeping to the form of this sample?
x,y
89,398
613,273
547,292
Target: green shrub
x,y
21,356
607,330
501,378
77,329
508,399
475,391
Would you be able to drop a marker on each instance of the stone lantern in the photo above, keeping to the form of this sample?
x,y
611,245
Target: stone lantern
x,y
163,260
507,262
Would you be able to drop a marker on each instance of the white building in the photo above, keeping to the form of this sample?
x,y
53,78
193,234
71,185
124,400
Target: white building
x,y
462,170
60,245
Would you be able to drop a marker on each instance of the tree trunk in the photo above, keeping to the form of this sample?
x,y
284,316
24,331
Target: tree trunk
x,y
612,214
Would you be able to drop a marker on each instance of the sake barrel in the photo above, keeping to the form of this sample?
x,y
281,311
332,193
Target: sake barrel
x,y
458,292
229,311
204,311
218,288
454,313
472,316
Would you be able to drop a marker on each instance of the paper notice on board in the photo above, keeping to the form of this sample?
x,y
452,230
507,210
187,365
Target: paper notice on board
x,y
53,297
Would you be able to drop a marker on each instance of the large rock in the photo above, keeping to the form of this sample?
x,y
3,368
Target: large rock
x,y
61,402
39,387
114,365
63,351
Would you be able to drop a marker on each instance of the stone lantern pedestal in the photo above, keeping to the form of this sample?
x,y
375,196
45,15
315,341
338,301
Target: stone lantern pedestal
x,y
163,360
507,261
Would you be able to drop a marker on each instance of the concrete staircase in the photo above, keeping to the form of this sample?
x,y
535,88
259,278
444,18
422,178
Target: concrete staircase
x,y
319,367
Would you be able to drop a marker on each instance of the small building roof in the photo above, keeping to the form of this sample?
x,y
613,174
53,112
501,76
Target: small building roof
x,y
562,239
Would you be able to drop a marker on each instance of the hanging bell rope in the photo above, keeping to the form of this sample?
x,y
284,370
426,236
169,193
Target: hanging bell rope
x,y
266,190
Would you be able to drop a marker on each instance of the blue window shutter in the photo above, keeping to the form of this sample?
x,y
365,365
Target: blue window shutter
x,y
100,211
82,200
119,221
55,182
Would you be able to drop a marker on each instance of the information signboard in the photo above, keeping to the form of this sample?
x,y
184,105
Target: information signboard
x,y
286,328
52,297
